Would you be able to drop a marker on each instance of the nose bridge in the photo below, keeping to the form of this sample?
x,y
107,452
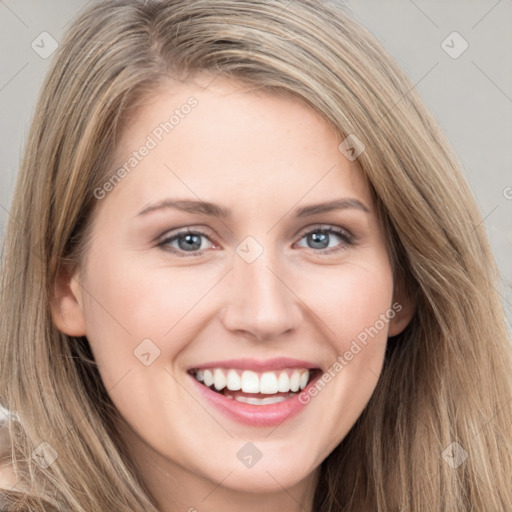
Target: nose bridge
x,y
261,301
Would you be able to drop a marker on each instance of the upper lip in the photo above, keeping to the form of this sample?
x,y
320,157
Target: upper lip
x,y
258,365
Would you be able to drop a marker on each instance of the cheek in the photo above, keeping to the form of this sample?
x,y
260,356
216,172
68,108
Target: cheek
x,y
349,300
354,306
128,302
363,321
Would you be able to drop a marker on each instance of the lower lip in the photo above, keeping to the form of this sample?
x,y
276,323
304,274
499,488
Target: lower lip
x,y
256,415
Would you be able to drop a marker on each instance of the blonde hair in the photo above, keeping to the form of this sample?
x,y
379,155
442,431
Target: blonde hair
x,y
446,377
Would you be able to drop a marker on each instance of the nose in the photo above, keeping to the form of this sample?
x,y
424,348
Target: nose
x,y
261,302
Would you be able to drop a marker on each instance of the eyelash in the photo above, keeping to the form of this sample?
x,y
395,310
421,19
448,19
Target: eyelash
x,y
347,238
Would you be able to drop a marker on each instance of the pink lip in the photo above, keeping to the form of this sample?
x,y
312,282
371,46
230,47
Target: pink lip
x,y
258,365
255,415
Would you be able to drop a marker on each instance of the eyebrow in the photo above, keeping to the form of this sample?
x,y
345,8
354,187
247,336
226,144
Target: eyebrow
x,y
215,210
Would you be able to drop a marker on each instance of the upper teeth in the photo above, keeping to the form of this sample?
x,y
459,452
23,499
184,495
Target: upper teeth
x,y
252,382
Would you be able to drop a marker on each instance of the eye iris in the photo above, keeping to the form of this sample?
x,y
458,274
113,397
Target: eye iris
x,y
316,238
192,241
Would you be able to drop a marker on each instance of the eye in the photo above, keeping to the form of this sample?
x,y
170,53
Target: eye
x,y
321,236
187,241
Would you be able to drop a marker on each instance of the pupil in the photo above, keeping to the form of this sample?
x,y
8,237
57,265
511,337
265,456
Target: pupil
x,y
190,242
322,239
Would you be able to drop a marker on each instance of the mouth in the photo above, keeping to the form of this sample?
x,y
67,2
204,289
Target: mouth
x,y
255,387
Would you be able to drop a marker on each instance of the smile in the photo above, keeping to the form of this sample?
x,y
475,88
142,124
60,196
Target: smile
x,y
248,386
257,396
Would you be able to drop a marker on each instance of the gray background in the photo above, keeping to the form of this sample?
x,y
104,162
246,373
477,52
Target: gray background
x,y
470,95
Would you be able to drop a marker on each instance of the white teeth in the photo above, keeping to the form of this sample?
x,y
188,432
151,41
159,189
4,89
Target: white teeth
x,y
250,382
268,383
261,401
303,381
283,383
219,379
233,381
294,381
208,378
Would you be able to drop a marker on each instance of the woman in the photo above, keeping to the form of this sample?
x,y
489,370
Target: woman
x,y
260,368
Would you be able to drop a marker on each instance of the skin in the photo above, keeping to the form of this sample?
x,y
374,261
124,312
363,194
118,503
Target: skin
x,y
262,156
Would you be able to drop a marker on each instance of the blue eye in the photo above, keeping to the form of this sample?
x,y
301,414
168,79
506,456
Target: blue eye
x,y
188,241
320,237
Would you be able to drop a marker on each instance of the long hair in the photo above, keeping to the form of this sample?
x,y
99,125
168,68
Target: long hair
x,y
444,393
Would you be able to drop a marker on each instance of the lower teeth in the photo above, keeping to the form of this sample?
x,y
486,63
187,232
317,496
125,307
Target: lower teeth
x,y
253,400
261,401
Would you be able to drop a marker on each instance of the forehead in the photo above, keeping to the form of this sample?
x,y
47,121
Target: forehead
x,y
224,142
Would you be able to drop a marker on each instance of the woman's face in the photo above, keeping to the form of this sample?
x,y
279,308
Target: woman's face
x,y
257,292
